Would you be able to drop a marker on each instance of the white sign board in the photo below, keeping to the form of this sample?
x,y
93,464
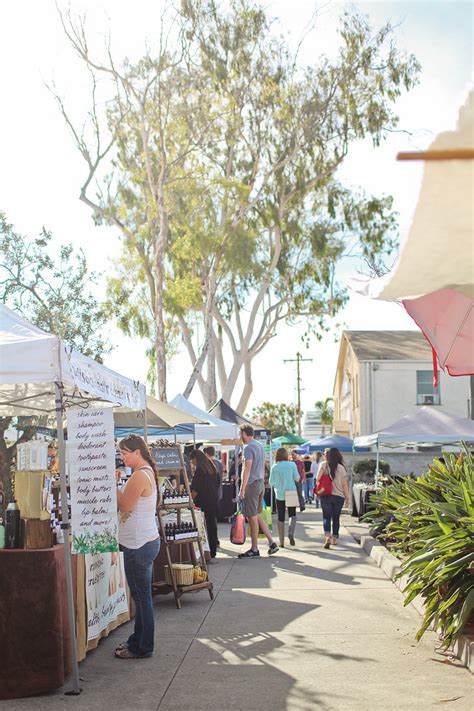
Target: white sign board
x,y
98,380
91,451
106,592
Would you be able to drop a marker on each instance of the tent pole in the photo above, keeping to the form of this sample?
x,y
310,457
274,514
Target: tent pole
x,y
145,427
67,545
351,480
377,464
270,461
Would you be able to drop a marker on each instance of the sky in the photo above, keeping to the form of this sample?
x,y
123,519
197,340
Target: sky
x,y
41,172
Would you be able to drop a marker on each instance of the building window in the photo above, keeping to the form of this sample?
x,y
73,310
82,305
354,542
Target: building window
x,y
426,394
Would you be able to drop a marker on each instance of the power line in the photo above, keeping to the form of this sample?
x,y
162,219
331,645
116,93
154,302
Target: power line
x,y
299,359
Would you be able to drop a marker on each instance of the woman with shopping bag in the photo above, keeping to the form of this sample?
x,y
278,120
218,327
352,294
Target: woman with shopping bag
x,y
283,478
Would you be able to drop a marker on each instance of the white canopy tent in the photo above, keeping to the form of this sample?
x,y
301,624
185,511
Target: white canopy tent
x,y
216,431
158,414
33,361
39,374
427,426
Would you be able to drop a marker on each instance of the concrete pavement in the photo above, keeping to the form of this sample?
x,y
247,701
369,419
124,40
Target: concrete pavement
x,y
301,630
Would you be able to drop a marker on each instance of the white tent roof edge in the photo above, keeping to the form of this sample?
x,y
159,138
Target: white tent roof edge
x,y
32,361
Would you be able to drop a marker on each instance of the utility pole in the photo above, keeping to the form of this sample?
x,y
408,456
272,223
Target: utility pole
x,y
299,359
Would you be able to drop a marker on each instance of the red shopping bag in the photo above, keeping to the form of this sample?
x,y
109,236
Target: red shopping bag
x,y
237,529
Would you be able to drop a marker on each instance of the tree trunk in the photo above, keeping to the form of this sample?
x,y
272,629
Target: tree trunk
x,y
211,386
196,372
239,360
248,388
160,335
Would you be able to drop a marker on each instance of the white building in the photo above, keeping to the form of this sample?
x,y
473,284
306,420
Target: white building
x,y
383,375
312,427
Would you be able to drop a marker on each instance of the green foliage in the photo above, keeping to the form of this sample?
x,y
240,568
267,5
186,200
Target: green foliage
x,y
432,527
50,286
104,542
365,469
279,418
325,412
224,174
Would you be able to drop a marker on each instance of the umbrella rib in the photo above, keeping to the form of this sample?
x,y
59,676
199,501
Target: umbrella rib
x,y
468,312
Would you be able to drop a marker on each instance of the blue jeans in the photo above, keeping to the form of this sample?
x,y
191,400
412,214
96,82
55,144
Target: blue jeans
x,y
308,488
138,565
332,507
299,489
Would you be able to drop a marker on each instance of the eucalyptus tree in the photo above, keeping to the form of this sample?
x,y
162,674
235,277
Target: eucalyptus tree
x,y
279,218
50,286
224,151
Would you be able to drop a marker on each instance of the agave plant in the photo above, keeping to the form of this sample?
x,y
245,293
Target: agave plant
x,y
432,522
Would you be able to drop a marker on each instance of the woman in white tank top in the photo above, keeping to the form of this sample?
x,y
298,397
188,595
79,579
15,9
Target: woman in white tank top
x,y
140,543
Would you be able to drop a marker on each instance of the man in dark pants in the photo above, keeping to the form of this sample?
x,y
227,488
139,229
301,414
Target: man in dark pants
x,y
210,453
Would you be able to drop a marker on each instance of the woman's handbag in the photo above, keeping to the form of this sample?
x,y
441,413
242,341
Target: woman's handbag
x,y
291,498
323,486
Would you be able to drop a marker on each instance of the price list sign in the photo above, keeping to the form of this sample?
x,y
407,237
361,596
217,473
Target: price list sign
x,y
91,453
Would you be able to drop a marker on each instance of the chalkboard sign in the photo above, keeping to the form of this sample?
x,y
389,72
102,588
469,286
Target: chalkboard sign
x,y
167,457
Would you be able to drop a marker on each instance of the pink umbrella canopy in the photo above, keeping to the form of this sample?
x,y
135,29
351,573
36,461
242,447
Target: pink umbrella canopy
x,y
446,318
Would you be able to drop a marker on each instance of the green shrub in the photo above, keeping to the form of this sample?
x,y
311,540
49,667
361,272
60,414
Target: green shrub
x,y
432,525
364,469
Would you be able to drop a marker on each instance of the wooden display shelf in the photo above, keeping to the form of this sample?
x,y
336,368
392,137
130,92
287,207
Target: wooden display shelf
x,y
206,585
196,539
172,458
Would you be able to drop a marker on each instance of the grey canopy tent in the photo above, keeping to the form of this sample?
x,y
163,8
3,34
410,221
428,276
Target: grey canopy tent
x,y
39,374
429,425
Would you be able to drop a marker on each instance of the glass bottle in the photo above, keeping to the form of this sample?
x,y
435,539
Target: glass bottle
x,y
12,526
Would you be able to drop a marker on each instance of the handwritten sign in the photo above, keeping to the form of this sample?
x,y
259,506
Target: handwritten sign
x,y
91,453
106,591
99,380
167,457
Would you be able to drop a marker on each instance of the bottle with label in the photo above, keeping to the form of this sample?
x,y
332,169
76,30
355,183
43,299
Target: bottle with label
x,y
59,533
12,526
2,534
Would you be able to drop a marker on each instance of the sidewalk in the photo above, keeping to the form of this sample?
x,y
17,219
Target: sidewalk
x,y
301,630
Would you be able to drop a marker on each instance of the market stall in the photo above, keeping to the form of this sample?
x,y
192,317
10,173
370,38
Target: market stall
x,y
160,418
428,426
40,375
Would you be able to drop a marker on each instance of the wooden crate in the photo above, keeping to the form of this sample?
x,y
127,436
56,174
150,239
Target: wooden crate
x,y
37,533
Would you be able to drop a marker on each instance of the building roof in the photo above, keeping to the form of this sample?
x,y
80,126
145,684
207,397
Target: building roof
x,y
389,345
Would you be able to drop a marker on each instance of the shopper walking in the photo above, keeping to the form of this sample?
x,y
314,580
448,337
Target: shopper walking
x,y
302,478
315,464
309,480
139,541
332,483
283,477
252,491
205,493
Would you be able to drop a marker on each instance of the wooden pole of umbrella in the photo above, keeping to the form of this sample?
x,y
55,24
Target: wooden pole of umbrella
x,y
446,154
